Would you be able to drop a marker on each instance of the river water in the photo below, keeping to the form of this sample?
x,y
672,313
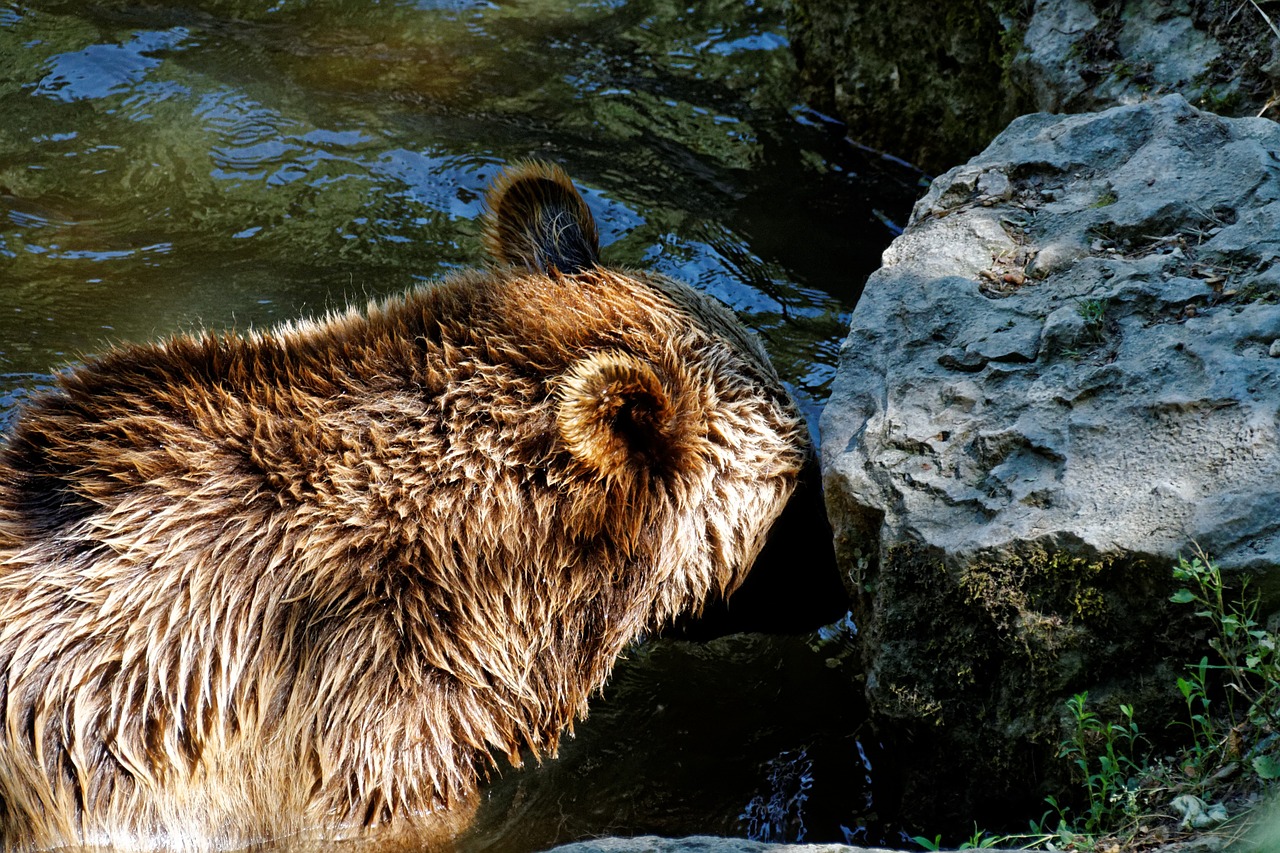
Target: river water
x,y
169,166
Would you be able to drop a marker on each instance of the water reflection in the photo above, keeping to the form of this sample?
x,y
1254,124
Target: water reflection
x,y
100,70
169,165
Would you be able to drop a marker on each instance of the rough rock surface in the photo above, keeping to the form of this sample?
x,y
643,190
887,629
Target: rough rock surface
x,y
1065,374
934,83
1077,56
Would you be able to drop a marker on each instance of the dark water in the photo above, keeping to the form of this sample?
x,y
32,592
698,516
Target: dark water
x,y
748,735
167,166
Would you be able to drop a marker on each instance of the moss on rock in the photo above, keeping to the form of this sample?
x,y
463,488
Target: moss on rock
x,y
977,655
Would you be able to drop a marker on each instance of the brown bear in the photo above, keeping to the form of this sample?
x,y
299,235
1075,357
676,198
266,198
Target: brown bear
x,y
299,584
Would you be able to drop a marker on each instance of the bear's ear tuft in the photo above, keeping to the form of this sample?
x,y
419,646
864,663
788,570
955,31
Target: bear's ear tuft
x,y
535,218
615,415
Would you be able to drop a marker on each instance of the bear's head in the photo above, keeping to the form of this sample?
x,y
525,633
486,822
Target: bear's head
x,y
683,443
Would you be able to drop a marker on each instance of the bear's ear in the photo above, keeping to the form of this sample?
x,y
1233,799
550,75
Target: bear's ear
x,y
535,218
615,415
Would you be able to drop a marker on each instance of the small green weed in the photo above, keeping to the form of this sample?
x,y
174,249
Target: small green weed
x,y
1245,728
1204,729
980,840
1093,312
1106,758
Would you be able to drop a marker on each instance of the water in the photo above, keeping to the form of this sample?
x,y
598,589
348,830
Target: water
x,y
169,166
747,735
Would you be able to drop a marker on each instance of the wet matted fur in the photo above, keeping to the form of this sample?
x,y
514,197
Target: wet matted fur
x,y
299,584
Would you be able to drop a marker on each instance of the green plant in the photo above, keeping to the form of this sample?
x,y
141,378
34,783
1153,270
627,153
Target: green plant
x,y
980,840
1053,831
1040,833
1106,757
1093,312
1250,673
927,844
1204,730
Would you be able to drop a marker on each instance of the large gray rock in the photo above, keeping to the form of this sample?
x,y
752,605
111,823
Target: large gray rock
x,y
1066,373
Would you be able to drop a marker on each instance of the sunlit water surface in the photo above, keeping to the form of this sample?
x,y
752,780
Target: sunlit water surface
x,y
169,166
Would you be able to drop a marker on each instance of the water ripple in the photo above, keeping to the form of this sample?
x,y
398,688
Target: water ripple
x,y
100,70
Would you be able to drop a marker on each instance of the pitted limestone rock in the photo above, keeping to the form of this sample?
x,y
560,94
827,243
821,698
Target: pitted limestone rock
x,y
1046,397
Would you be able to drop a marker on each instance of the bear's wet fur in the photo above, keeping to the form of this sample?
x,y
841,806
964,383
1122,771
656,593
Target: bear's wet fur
x,y
299,584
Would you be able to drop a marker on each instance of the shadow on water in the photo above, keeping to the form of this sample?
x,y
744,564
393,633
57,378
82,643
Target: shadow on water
x,y
169,165
746,735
